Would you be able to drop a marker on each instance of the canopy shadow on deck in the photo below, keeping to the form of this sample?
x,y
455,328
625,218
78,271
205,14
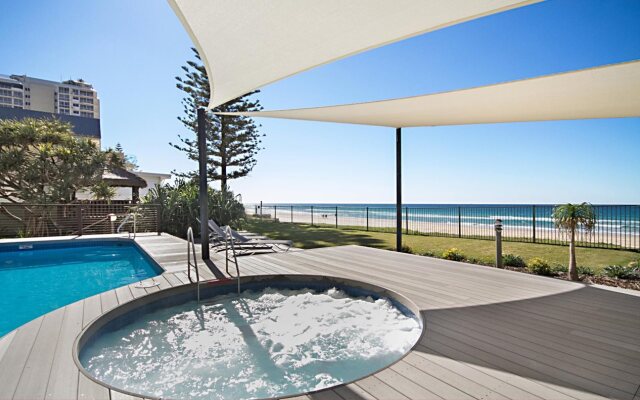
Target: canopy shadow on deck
x,y
562,339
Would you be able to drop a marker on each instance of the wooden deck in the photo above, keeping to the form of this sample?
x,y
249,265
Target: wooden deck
x,y
491,334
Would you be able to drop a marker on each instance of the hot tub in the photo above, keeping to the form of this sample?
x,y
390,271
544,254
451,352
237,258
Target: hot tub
x,y
283,335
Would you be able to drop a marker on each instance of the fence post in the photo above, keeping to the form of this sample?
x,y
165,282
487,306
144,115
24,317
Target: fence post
x,y
292,214
311,215
79,216
498,226
406,220
158,220
336,217
275,212
260,210
367,219
459,222
533,213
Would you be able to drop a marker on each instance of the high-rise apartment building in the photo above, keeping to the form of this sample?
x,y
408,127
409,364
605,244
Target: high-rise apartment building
x,y
72,101
73,97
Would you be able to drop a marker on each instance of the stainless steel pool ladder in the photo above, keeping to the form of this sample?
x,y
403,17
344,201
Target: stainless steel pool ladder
x,y
124,222
229,243
191,250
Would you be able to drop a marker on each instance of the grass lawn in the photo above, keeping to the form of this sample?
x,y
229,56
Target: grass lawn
x,y
308,237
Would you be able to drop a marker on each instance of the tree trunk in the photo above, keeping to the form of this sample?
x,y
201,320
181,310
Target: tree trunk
x,y
573,270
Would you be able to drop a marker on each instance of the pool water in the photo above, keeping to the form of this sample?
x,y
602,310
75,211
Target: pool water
x,y
44,276
264,343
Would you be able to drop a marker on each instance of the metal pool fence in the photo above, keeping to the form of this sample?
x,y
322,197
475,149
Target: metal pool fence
x,y
37,220
617,227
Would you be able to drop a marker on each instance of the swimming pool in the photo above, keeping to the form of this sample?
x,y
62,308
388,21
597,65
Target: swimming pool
x,y
38,277
282,336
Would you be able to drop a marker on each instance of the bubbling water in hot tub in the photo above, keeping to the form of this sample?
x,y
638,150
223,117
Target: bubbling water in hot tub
x,y
264,343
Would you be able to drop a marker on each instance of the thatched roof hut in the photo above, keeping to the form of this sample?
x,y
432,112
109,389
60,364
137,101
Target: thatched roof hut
x,y
120,177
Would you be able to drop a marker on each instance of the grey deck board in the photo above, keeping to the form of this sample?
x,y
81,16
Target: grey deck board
x,y
427,381
88,389
137,291
406,386
63,381
15,358
5,342
108,300
353,392
540,350
459,376
123,294
529,364
35,375
182,276
491,334
173,280
380,389
507,383
92,309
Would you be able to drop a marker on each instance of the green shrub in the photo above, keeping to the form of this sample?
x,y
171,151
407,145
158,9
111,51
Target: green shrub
x,y
563,269
429,254
512,260
586,271
453,254
406,249
539,266
621,272
179,207
226,209
615,271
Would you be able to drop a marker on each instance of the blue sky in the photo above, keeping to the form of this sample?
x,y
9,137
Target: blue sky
x,y
132,50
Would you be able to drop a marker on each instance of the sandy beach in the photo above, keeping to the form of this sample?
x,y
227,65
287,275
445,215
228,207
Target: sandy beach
x,y
327,217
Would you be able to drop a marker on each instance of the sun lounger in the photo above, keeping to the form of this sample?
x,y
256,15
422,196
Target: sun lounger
x,y
242,244
240,239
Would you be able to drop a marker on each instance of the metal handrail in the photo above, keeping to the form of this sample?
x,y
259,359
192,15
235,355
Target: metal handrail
x,y
229,242
125,220
191,249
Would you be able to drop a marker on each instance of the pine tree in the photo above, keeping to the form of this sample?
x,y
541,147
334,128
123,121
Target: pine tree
x,y
126,161
232,141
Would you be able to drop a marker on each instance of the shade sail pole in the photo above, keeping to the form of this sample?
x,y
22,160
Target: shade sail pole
x,y
398,189
203,195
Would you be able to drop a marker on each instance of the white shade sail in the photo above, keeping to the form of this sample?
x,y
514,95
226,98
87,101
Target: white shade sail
x,y
611,91
246,44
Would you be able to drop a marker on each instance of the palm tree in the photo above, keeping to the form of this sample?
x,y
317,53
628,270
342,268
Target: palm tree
x,y
570,217
102,191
